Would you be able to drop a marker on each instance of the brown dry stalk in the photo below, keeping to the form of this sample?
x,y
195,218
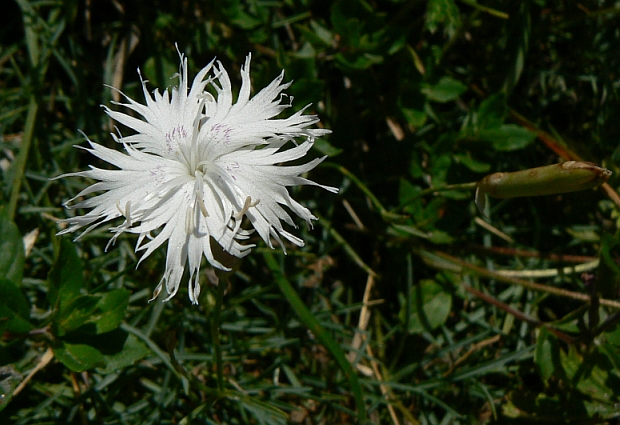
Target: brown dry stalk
x,y
43,361
359,338
515,252
481,271
471,351
518,314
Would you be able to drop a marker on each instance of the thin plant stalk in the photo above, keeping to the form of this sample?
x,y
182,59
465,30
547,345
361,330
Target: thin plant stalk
x,y
20,163
463,266
215,331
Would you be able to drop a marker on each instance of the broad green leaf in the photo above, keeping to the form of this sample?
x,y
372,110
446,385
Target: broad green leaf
x,y
471,163
351,19
508,137
14,309
357,61
547,354
440,165
492,111
416,169
408,196
442,12
110,311
80,351
66,276
11,250
591,375
446,90
132,351
440,237
76,313
94,314
415,118
317,35
235,10
429,306
78,357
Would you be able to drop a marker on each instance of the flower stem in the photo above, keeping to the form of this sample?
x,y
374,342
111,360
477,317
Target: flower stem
x,y
458,186
215,331
387,215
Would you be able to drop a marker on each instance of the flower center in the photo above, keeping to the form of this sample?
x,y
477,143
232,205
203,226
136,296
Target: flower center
x,y
199,190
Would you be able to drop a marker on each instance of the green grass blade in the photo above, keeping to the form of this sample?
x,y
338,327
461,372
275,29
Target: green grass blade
x,y
20,162
321,334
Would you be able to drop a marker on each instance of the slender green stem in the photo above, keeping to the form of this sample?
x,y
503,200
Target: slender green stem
x,y
358,183
431,190
20,162
391,216
320,333
488,10
459,186
347,247
32,43
387,215
215,332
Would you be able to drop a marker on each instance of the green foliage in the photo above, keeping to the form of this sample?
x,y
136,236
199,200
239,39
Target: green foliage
x,y
609,270
589,378
85,328
445,90
427,307
547,355
11,250
14,309
444,13
10,379
65,278
510,317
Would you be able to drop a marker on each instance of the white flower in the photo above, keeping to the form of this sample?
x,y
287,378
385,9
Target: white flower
x,y
197,165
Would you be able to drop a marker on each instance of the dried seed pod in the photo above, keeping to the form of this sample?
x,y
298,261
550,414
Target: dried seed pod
x,y
569,176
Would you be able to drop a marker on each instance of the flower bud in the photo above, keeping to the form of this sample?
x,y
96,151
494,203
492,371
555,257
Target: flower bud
x,y
569,176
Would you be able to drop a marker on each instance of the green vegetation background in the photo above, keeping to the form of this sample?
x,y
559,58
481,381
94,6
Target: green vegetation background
x,y
408,282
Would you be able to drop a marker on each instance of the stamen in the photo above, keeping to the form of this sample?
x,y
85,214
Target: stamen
x,y
246,206
199,188
126,213
189,223
203,207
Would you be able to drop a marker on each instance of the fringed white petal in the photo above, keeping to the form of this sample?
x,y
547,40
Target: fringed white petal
x,y
197,168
